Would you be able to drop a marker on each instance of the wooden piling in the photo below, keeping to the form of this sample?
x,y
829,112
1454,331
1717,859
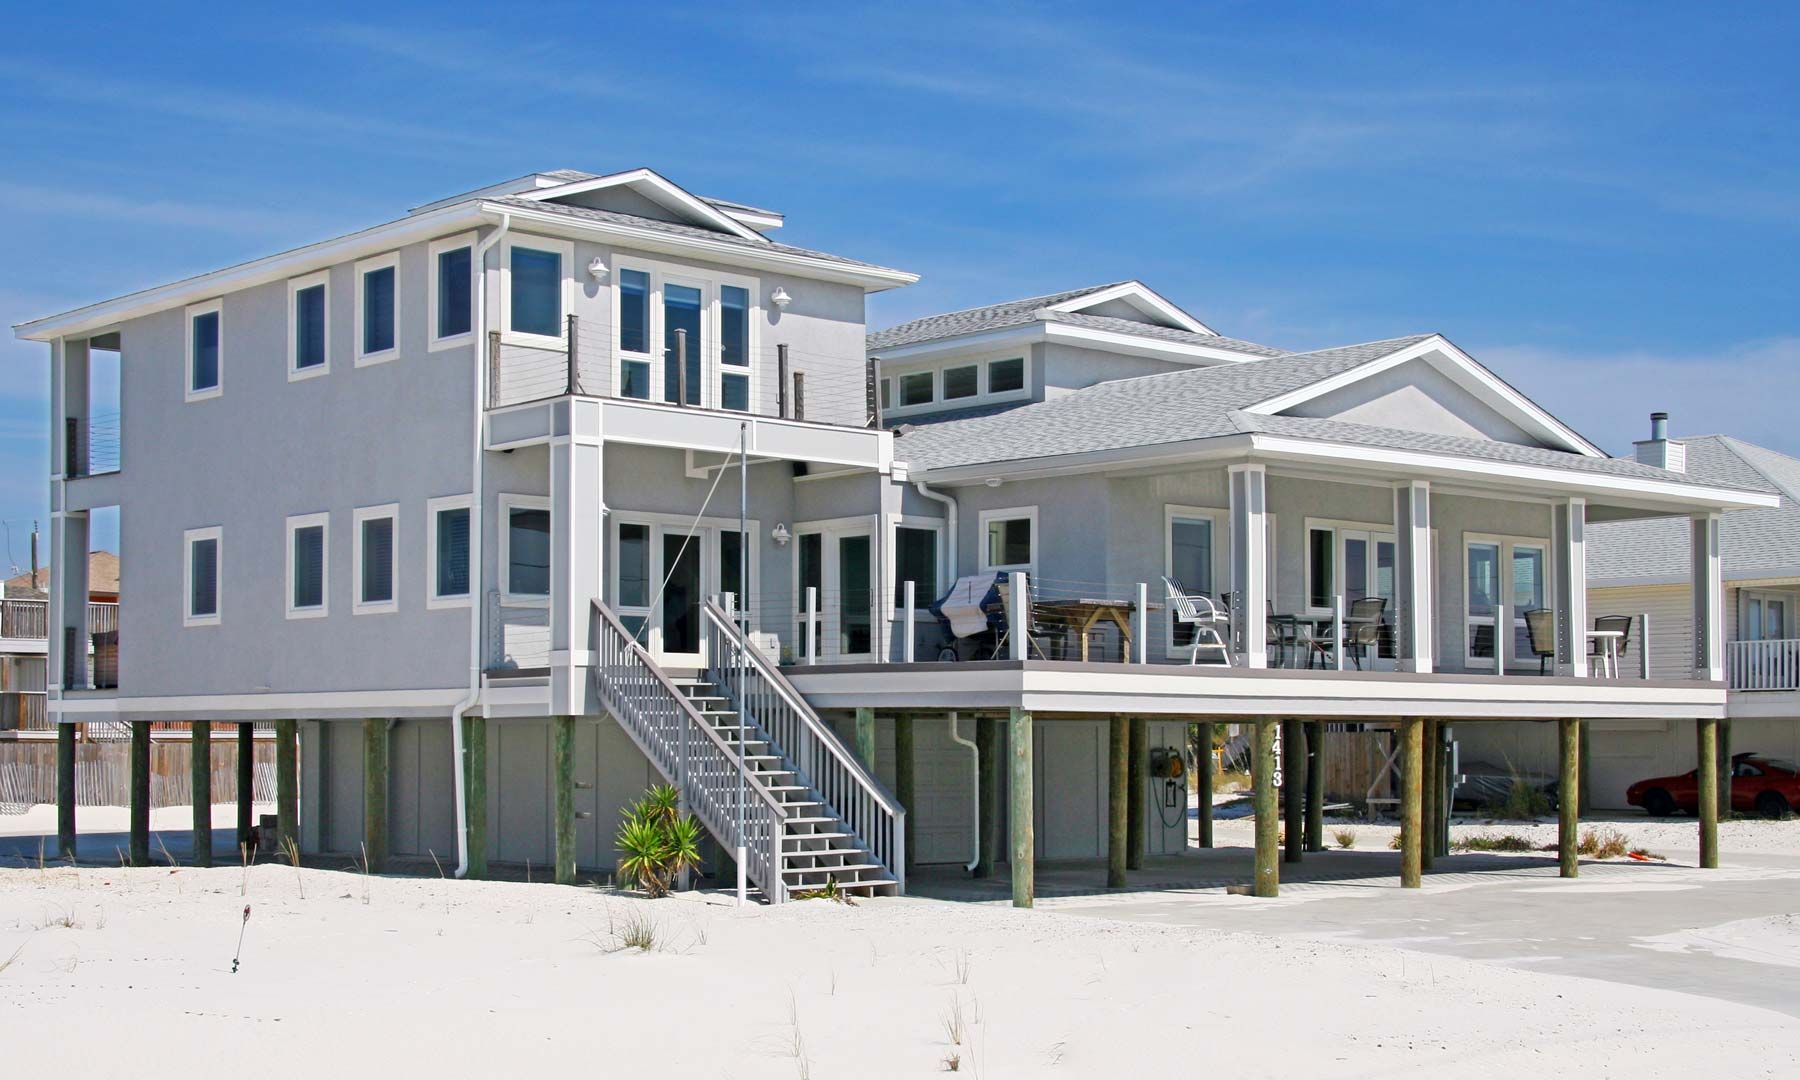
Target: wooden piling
x,y
1024,842
1724,769
287,781
1267,880
1293,824
1118,784
1135,830
563,755
987,763
1204,784
1583,803
200,783
904,784
865,737
1428,803
1412,783
1708,739
1568,798
375,794
1315,785
65,790
475,806
246,783
139,852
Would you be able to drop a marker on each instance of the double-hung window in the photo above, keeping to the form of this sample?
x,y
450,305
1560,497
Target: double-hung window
x,y
536,294
200,576
450,290
309,322
634,334
525,549
205,355
377,559
1009,539
378,309
447,523
307,566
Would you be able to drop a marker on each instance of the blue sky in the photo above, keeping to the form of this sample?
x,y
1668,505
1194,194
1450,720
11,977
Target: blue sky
x,y
1601,205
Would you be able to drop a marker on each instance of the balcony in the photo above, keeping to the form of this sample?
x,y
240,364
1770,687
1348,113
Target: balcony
x,y
91,445
1763,666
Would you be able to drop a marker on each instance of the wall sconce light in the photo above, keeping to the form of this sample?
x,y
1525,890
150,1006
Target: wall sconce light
x,y
780,535
597,268
993,481
780,298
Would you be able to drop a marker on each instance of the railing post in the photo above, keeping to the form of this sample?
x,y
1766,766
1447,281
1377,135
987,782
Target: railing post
x,y
1140,629
781,381
1500,622
573,363
906,643
1337,628
493,368
1017,622
871,396
681,369
71,442
1644,645
812,624
799,395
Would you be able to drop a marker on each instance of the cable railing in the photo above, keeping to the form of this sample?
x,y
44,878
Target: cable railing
x,y
714,784
91,445
845,786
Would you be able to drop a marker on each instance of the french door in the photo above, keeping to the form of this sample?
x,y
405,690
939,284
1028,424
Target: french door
x,y
839,563
1366,564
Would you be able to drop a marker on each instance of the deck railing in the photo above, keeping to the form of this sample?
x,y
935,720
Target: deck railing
x,y
764,697
91,445
664,724
1763,665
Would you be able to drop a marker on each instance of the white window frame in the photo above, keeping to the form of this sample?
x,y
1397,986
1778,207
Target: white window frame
x,y
712,367
990,394
1506,544
832,530
1789,601
1337,527
984,394
433,599
390,511
378,262
194,311
1008,514
435,249
295,523
533,242
943,381
216,534
651,561
295,373
1219,522
509,502
890,575
931,378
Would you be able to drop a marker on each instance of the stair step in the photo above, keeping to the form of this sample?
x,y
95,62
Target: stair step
x,y
810,821
816,835
829,871
840,853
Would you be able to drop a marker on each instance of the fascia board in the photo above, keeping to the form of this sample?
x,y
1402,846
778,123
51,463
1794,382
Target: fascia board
x,y
1134,290
1086,337
663,191
1212,448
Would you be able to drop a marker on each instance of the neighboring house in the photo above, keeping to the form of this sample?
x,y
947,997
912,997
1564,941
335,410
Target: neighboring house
x,y
423,490
24,642
1640,569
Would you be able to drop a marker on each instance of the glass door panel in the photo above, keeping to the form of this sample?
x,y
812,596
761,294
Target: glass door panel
x,y
811,574
681,596
855,610
681,312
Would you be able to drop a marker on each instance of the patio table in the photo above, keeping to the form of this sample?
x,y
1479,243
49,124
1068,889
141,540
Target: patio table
x,y
1317,632
1081,616
1609,650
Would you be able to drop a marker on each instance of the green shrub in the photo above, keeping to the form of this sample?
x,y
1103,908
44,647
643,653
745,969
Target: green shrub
x,y
1504,842
1602,843
657,842
1346,838
1522,801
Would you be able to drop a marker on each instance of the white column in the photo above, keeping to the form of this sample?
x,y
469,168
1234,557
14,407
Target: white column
x,y
1571,588
1249,563
1709,600
69,539
1413,585
577,531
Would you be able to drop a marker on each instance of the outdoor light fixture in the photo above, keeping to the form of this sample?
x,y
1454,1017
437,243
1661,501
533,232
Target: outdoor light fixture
x,y
597,268
993,481
780,535
780,298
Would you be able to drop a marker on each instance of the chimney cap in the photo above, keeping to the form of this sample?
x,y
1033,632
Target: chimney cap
x,y
1659,416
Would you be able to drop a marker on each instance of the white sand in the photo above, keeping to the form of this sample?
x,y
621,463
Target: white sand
x,y
1772,940
489,978
1664,836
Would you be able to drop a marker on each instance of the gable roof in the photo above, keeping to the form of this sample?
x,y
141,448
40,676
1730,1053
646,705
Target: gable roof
x,y
656,188
1055,307
1753,544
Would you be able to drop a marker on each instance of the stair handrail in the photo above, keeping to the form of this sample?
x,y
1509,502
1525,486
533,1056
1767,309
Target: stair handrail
x,y
856,796
769,861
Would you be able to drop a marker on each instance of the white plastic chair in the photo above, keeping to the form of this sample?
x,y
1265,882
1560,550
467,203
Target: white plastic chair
x,y
1204,616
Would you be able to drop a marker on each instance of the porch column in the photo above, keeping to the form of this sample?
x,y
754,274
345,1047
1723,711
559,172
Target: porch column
x,y
577,535
1203,790
287,782
904,785
1249,563
140,793
1568,797
1134,793
475,788
200,784
1024,841
1293,747
1428,804
987,763
1708,754
1416,620
375,794
1266,782
865,737
67,658
1709,600
246,784
65,790
1315,786
562,755
1412,768
1570,527
1118,772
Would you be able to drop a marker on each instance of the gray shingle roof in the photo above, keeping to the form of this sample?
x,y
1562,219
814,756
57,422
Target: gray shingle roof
x,y
1752,543
1031,309
614,217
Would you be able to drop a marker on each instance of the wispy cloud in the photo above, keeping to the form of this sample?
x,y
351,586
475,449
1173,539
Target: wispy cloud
x,y
119,206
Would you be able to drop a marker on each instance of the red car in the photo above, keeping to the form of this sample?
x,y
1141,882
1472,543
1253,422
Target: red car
x,y
1769,786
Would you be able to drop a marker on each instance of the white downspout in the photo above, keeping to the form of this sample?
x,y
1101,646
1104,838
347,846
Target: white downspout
x,y
478,293
974,756
949,525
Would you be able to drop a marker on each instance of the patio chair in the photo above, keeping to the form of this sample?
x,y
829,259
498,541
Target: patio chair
x,y
1198,610
1540,626
1620,623
1033,629
1362,628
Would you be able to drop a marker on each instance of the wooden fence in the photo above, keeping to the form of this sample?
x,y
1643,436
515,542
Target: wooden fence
x,y
103,773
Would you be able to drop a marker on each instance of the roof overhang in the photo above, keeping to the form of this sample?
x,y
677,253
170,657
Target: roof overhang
x,y
1459,367
659,190
1063,333
1773,577
1139,296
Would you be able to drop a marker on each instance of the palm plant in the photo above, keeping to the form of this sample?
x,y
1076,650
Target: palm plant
x,y
657,842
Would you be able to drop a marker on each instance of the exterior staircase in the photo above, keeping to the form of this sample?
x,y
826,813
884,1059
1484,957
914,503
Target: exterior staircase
x,y
807,814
